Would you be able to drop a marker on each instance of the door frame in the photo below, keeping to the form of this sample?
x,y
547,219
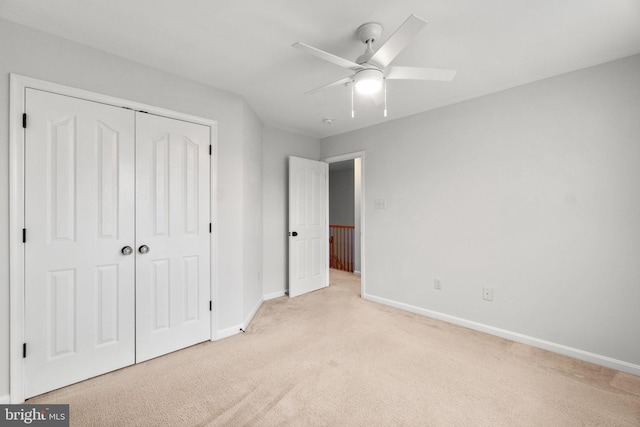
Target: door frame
x,y
17,99
352,156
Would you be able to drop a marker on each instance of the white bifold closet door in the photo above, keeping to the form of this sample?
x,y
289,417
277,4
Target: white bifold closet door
x,y
100,179
79,214
172,221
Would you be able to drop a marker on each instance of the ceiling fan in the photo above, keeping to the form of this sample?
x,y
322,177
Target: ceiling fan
x,y
371,69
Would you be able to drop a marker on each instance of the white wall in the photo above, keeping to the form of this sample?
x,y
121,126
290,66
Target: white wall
x,y
534,192
278,145
35,54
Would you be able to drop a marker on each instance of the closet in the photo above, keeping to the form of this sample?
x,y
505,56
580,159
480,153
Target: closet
x,y
117,238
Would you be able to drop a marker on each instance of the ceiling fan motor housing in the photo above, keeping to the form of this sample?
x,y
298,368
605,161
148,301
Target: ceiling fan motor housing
x,y
369,32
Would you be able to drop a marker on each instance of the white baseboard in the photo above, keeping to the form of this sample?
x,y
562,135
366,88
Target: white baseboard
x,y
356,272
598,359
274,295
253,312
5,400
225,333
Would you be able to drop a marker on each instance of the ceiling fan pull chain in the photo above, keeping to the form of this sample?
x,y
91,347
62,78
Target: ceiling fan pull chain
x,y
385,96
352,112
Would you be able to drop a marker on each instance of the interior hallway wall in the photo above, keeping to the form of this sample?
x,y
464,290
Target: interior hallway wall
x,y
341,196
35,54
532,192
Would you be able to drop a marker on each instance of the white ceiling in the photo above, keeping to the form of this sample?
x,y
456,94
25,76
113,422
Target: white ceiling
x,y
244,46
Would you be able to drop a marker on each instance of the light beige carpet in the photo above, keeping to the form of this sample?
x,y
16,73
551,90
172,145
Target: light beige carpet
x,y
332,358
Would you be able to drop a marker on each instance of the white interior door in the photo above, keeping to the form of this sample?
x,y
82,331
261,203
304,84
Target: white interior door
x,y
308,226
173,222
79,214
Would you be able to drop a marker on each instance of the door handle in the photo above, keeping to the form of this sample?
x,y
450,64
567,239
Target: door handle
x,y
143,249
294,233
127,250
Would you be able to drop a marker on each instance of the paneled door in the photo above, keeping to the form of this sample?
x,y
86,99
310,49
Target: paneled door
x,y
172,235
79,218
308,226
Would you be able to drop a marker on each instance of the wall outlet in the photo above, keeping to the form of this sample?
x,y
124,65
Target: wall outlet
x,y
437,285
487,294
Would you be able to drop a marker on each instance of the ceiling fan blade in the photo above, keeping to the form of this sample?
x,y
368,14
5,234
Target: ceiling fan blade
x,y
345,63
397,42
336,83
416,73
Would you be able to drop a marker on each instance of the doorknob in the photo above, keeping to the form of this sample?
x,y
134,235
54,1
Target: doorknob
x,y
294,233
143,249
127,250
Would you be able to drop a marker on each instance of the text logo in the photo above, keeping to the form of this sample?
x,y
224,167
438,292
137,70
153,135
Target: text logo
x,y
34,415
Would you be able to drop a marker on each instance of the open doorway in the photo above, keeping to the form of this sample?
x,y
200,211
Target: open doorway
x,y
346,215
344,248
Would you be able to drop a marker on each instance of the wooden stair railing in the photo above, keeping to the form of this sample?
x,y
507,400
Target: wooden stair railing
x,y
341,247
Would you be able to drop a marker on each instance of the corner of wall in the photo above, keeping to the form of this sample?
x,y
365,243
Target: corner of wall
x,y
252,208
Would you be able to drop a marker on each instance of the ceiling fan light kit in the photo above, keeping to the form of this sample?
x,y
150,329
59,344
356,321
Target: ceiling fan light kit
x,y
370,68
368,81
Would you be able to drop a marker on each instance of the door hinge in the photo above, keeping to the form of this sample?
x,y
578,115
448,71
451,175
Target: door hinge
x,y
210,305
24,120
210,227
210,149
24,235
24,350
